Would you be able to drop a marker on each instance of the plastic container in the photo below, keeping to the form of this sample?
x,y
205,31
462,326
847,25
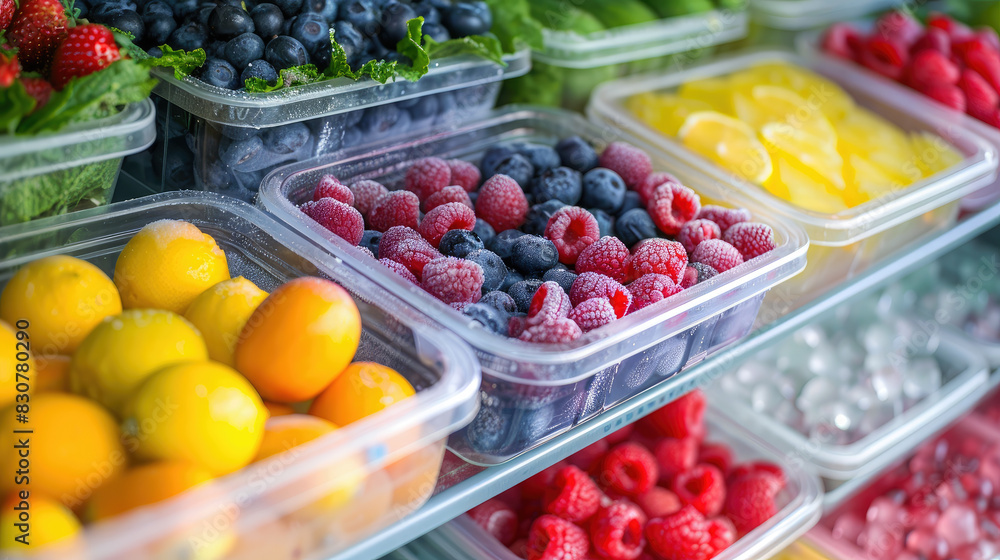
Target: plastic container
x,y
226,141
72,169
843,244
796,15
533,392
264,510
569,67
799,508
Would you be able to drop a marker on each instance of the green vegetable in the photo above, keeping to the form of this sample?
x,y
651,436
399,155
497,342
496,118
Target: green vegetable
x,y
514,25
14,104
183,62
619,13
479,45
542,86
673,8
57,192
732,4
557,15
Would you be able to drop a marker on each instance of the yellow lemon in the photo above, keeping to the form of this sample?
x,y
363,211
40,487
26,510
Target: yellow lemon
x,y
802,189
818,160
729,142
47,522
74,448
220,313
62,298
773,104
167,264
665,112
144,485
716,92
16,364
126,349
202,412
361,390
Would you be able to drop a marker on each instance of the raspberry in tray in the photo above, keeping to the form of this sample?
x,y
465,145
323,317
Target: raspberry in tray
x,y
591,224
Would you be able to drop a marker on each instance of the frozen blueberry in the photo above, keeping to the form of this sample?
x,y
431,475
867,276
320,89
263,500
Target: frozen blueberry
x,y
503,243
541,157
393,23
216,49
605,221
312,31
288,7
226,22
155,52
603,189
285,139
242,50
490,318
468,18
152,10
494,270
384,121
559,183
436,31
533,255
219,73
487,433
426,10
267,20
513,277
260,69
517,167
350,39
202,14
575,153
284,52
237,132
472,198
362,14
178,165
104,11
493,156
484,231
370,239
538,216
129,22
325,8
632,200
563,277
634,226
532,426
321,57
522,292
241,152
84,8
214,176
158,30
189,36
499,300
459,243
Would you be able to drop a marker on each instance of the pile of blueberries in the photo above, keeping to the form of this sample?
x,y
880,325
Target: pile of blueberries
x,y
244,39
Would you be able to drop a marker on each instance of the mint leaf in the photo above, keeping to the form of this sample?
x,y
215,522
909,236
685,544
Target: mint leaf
x,y
410,48
479,45
15,103
183,62
294,76
379,70
513,25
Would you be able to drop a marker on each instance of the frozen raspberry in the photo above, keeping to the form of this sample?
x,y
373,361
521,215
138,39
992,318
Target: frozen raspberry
x,y
501,203
620,435
674,456
696,273
387,245
330,187
899,26
884,55
607,256
696,231
414,254
658,502
366,251
366,194
572,229
342,220
724,217
534,487
750,501
933,39
549,303
572,496
551,332
948,95
751,239
552,538
630,163
516,326
986,61
445,218
671,206
591,285
593,313
629,469
520,548
590,456
681,418
841,39
687,535
650,289
398,208
658,256
980,99
649,184
446,195
757,467
497,518
703,487
453,280
427,176
717,254
464,174
717,454
931,68
400,270
616,531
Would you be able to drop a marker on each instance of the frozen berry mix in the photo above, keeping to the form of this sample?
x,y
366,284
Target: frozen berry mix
x,y
604,230
638,493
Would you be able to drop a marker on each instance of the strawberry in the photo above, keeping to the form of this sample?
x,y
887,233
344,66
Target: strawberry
x,y
946,94
954,29
933,39
899,27
980,99
931,68
36,30
10,69
7,9
39,89
987,64
86,49
885,56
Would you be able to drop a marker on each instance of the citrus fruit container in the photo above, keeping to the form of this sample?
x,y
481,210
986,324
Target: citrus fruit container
x,y
580,52
844,239
312,488
532,392
797,15
214,139
73,169
798,508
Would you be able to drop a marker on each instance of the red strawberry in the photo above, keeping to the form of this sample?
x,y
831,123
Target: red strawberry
x,y
954,29
39,89
987,64
7,8
933,39
10,69
931,68
948,95
980,99
86,49
36,30
885,56
899,26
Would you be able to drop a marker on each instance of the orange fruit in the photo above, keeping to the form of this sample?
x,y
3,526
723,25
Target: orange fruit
x,y
144,485
299,339
368,513
363,389
167,264
220,313
52,374
278,409
12,348
285,432
414,477
47,522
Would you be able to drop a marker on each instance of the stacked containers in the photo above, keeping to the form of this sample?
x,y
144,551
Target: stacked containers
x,y
846,243
796,15
531,393
266,506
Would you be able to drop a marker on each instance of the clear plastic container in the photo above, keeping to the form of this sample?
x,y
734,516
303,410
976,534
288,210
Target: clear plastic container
x,y
268,509
796,15
72,169
226,141
531,393
799,508
843,244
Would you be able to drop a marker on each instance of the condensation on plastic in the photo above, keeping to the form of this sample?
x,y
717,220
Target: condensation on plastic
x,y
539,391
797,15
266,506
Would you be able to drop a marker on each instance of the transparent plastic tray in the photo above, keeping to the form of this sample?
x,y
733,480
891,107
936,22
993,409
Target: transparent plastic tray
x,y
261,508
806,14
56,162
799,508
845,243
540,391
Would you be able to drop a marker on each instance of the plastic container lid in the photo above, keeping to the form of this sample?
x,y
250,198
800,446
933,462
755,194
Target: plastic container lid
x,y
566,49
853,224
130,131
329,97
805,14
